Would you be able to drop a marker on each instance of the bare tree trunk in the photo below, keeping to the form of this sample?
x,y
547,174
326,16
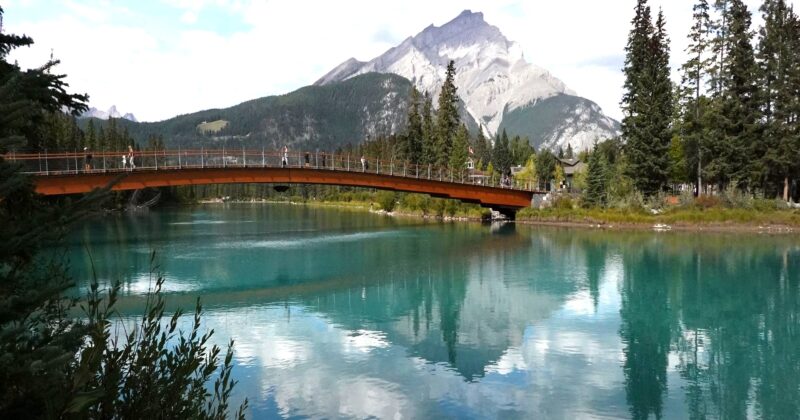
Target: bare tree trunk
x,y
786,189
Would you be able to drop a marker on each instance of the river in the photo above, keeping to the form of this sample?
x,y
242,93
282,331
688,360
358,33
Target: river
x,y
339,313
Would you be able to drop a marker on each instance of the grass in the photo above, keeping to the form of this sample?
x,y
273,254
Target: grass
x,y
212,127
672,216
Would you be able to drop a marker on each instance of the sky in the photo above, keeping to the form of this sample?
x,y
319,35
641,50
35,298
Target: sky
x,y
161,58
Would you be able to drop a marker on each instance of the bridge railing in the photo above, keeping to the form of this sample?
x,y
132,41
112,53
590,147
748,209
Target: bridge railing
x,y
73,163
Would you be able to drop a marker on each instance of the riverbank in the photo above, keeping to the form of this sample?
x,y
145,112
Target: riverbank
x,y
678,219
685,219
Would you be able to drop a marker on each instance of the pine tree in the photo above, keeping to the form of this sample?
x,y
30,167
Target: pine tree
x,y
428,131
483,150
777,59
739,114
545,166
695,75
595,194
635,66
447,118
648,102
570,154
460,151
412,141
502,154
91,136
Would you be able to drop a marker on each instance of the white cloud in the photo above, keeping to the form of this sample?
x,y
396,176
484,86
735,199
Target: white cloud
x,y
158,70
189,17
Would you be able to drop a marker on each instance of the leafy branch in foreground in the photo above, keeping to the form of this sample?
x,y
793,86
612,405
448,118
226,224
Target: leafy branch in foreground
x,y
156,370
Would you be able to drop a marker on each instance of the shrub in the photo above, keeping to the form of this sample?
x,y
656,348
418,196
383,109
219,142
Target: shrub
x,y
633,201
705,202
387,200
734,197
563,203
763,204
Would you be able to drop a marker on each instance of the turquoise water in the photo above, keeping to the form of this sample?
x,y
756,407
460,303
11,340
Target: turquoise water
x,y
346,314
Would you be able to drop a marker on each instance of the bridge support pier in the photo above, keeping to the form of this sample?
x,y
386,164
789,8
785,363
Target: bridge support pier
x,y
507,213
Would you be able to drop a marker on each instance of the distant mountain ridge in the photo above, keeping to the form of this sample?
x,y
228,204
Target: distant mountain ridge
x,y
104,115
313,117
493,80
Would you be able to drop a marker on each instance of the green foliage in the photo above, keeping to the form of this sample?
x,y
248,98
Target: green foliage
x,y
54,364
596,191
156,370
428,131
501,158
410,147
545,166
647,102
527,176
447,118
334,116
563,203
483,150
558,175
460,150
520,150
387,200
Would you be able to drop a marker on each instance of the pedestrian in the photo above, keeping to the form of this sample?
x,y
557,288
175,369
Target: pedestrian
x,y
285,158
87,159
124,161
363,164
130,157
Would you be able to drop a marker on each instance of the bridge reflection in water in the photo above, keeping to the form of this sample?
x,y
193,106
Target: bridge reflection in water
x,y
73,173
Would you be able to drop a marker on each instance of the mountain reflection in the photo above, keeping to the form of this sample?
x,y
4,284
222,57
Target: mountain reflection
x,y
335,314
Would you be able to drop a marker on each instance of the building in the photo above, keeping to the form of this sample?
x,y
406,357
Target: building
x,y
571,167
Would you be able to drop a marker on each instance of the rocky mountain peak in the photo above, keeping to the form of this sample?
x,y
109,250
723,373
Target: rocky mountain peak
x,y
492,75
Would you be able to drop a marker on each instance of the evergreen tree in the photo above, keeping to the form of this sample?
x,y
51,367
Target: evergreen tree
x,y
447,118
595,194
739,114
91,136
570,153
695,75
483,149
460,152
545,166
777,59
502,155
412,141
521,150
53,362
428,131
648,102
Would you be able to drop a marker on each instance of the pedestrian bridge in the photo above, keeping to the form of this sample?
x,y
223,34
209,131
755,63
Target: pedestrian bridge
x,y
74,173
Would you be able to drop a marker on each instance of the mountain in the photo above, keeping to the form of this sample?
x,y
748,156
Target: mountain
x,y
104,115
494,81
325,117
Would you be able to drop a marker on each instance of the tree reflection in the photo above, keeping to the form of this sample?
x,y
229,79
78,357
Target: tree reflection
x,y
730,311
645,331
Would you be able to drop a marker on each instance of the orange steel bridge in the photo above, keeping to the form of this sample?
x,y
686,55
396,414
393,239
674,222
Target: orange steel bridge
x,y
73,173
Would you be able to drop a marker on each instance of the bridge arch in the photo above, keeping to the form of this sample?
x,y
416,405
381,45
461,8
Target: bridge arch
x,y
504,200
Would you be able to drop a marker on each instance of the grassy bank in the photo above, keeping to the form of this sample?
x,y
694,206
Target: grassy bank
x,y
674,217
416,205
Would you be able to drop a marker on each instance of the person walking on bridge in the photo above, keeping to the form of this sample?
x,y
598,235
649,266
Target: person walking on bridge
x,y
87,159
285,158
363,164
130,158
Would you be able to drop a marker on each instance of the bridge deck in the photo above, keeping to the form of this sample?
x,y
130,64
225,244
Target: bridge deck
x,y
66,173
